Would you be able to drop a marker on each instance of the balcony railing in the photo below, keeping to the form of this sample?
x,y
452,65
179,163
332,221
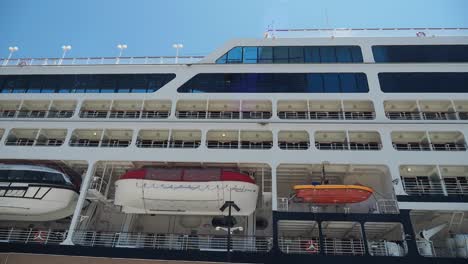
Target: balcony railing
x,y
32,236
346,247
191,114
124,114
93,114
293,145
348,146
413,186
154,114
439,115
256,115
222,145
415,146
256,145
293,115
115,143
32,114
303,245
340,115
84,143
7,113
224,115
100,61
184,144
403,115
172,241
146,143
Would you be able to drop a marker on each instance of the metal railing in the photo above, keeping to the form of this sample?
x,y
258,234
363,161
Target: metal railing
x,y
449,147
439,115
154,114
84,143
32,236
293,115
7,113
36,114
115,143
184,144
32,114
50,142
348,146
171,241
415,146
343,115
381,248
223,145
100,61
347,247
144,143
191,114
124,114
256,115
256,145
388,206
456,185
93,114
20,142
223,115
414,186
364,32
303,245
293,145
60,113
403,115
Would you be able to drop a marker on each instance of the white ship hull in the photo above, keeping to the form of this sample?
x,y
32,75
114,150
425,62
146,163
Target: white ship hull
x,y
186,198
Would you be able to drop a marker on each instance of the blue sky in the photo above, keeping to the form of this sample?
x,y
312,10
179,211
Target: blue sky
x,y
149,27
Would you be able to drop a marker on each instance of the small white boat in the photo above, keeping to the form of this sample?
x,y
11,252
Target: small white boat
x,y
35,193
185,191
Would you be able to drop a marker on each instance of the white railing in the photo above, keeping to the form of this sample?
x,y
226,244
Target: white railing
x,y
256,115
439,115
348,247
388,206
151,143
222,145
419,187
456,186
191,114
115,143
172,241
100,61
256,145
364,32
403,115
124,114
293,145
154,114
224,115
412,146
293,115
348,146
93,114
31,236
303,245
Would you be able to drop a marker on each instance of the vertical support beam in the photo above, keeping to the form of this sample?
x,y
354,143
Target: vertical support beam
x,y
79,205
76,113
410,236
364,238
275,233
274,188
274,109
441,179
321,239
173,110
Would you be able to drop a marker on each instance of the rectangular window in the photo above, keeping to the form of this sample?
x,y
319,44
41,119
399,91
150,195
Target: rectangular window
x,y
265,55
250,55
327,54
235,55
276,83
421,53
81,83
280,55
423,82
296,55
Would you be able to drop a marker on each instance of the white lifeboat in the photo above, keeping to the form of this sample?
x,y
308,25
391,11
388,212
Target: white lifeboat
x,y
185,191
35,193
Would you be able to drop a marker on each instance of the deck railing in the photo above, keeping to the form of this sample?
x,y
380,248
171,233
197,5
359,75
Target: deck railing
x,y
172,241
100,61
32,236
382,206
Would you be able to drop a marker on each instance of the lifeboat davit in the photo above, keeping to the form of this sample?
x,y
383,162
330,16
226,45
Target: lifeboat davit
x,y
35,193
332,194
185,191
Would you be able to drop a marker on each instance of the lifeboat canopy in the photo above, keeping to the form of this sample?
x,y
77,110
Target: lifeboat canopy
x,y
332,194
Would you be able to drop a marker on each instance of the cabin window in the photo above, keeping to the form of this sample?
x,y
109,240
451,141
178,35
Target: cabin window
x,y
292,54
276,83
421,53
423,82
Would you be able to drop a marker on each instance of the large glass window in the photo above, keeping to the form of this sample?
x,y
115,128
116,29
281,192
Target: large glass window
x,y
424,82
276,83
421,53
292,54
84,83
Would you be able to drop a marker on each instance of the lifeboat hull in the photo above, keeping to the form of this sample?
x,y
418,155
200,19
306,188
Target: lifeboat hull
x,y
332,194
24,202
186,198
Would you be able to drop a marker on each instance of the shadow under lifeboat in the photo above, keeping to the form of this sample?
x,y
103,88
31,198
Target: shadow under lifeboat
x,y
35,193
185,191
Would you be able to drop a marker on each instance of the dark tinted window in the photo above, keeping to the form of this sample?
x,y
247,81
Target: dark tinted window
x,y
32,176
292,54
84,83
276,83
424,82
421,53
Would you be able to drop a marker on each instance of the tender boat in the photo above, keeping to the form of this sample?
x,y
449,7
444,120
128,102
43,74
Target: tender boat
x,y
187,191
332,194
35,193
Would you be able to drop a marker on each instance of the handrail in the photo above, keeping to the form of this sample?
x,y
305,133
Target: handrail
x,y
99,61
364,32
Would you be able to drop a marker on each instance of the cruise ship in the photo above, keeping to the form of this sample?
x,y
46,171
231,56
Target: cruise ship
x,y
303,145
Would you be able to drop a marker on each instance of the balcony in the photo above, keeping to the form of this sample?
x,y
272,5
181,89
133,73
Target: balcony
x,y
113,138
156,109
256,140
36,137
352,140
126,109
9,108
95,109
402,110
185,139
153,139
223,139
427,141
293,140
61,109
86,137
426,110
345,110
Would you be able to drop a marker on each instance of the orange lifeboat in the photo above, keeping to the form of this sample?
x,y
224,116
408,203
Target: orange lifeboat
x,y
332,194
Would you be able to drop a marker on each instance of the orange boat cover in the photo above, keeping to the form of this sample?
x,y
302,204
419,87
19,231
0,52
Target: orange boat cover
x,y
332,194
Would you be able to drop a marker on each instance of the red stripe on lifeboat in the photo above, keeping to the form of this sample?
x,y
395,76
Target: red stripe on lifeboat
x,y
225,176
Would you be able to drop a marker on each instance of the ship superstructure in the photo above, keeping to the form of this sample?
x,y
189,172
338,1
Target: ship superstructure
x,y
272,125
